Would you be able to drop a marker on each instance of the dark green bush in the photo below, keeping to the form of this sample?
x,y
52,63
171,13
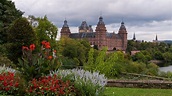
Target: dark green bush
x,y
5,61
20,34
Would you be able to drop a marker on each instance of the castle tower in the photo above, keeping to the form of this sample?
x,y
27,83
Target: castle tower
x,y
85,28
123,33
65,31
101,33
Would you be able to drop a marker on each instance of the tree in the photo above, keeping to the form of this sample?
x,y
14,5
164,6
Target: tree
x,y
8,13
20,34
158,55
152,69
90,57
167,57
45,30
74,49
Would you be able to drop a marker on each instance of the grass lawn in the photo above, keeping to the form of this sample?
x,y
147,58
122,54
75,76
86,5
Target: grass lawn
x,y
114,91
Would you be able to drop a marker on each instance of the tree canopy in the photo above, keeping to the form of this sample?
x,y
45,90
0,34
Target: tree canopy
x,y
8,13
77,50
151,51
44,29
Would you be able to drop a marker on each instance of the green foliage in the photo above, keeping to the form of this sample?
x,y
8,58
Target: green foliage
x,y
142,56
150,51
3,49
8,13
45,30
152,69
158,55
20,34
90,62
5,61
135,67
167,57
68,63
74,49
113,64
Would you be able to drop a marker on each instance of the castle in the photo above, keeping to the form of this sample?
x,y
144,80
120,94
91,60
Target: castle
x,y
100,38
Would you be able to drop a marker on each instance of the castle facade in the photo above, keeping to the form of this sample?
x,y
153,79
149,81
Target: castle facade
x,y
101,37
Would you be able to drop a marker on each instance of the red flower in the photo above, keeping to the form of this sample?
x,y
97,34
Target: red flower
x,y
7,88
50,57
43,42
61,91
46,44
5,83
25,48
32,47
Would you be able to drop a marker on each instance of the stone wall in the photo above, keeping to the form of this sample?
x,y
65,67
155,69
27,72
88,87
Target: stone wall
x,y
140,84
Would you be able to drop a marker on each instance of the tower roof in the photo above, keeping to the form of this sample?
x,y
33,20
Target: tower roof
x,y
83,25
122,26
65,23
100,20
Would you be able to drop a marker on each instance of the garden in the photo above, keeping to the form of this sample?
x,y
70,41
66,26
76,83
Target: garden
x,y
40,74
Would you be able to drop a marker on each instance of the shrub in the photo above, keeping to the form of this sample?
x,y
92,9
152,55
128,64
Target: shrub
x,y
20,33
5,61
85,82
68,63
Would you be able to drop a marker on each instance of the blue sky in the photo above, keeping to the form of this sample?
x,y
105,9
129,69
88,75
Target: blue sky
x,y
145,18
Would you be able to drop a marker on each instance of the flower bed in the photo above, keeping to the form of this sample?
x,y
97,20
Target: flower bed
x,y
33,77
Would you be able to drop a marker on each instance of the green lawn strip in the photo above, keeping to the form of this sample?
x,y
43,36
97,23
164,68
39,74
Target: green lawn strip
x,y
114,91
